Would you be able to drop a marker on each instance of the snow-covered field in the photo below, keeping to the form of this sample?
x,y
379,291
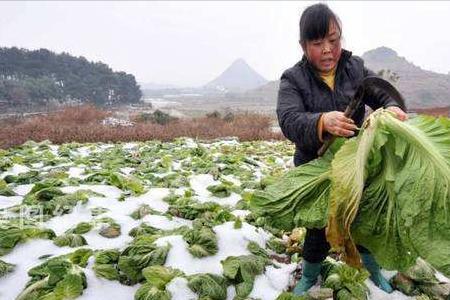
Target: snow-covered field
x,y
163,186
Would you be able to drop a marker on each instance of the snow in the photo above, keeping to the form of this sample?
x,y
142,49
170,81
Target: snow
x,y
54,149
6,202
199,183
190,143
233,141
105,147
441,277
279,161
83,151
231,242
118,211
232,178
107,190
16,169
231,200
377,294
270,284
23,189
231,292
129,146
179,290
127,171
162,222
153,198
76,172
25,256
241,213
60,224
37,165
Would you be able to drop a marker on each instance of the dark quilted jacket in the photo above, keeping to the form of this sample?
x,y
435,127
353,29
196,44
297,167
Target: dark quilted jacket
x,y
303,97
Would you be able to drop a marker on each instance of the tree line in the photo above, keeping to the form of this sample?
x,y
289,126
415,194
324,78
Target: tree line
x,y
42,76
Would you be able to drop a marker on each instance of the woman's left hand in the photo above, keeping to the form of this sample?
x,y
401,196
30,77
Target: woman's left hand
x,y
401,115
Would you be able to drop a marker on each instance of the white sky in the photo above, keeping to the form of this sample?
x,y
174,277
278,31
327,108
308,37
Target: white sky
x,y
189,43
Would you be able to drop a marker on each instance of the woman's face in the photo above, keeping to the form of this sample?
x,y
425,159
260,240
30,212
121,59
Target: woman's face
x,y
324,53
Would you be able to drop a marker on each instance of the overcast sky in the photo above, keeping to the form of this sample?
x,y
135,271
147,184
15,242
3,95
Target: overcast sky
x,y
189,43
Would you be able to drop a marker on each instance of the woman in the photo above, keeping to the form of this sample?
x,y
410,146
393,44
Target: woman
x,y
312,97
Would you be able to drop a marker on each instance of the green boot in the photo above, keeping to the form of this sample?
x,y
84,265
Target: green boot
x,y
309,277
375,274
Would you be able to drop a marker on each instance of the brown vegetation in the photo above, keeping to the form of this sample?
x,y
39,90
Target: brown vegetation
x,y
436,111
84,124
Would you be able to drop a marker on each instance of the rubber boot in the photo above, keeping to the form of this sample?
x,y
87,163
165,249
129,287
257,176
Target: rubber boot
x,y
375,274
310,272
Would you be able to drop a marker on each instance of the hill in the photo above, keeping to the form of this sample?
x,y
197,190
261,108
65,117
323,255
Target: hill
x,y
421,88
41,77
239,76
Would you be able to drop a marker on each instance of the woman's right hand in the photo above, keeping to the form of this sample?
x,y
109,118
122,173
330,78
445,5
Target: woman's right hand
x,y
337,124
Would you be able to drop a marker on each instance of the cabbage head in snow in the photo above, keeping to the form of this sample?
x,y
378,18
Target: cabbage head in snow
x,y
157,277
5,190
242,270
345,280
220,190
12,233
208,286
201,242
141,254
5,268
160,276
58,278
105,265
148,291
70,239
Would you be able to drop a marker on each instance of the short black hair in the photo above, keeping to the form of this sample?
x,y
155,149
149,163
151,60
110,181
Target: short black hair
x,y
315,21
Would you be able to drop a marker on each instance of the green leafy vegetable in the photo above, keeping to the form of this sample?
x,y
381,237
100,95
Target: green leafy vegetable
x,y
339,276
11,234
57,278
139,256
255,249
5,190
81,228
148,291
242,270
105,265
220,190
202,242
5,268
160,276
300,198
208,286
70,239
404,211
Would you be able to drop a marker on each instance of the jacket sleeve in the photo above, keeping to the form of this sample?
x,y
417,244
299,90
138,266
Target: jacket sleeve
x,y
297,124
379,98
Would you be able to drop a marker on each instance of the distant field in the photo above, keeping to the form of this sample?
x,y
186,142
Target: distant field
x,y
90,124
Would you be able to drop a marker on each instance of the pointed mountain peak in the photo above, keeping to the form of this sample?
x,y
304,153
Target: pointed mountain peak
x,y
239,61
239,76
380,53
